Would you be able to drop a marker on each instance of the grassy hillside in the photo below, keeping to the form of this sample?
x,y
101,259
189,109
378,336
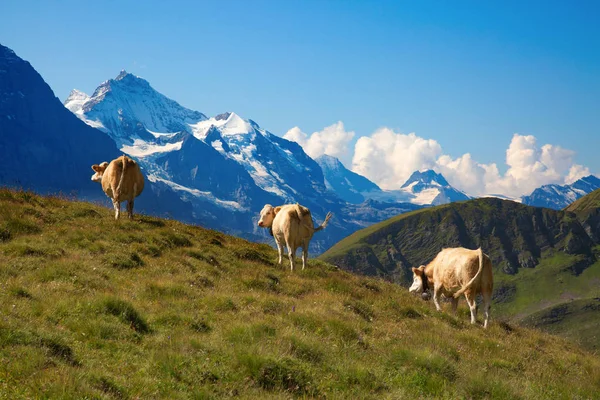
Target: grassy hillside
x,y
150,308
586,203
542,258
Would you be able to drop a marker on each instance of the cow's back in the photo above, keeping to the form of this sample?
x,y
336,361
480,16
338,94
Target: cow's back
x,y
286,225
455,267
133,181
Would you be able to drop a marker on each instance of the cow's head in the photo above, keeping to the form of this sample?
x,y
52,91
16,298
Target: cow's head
x,y
267,215
420,283
99,169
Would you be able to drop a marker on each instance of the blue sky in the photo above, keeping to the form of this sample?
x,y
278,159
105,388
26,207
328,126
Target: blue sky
x,y
468,74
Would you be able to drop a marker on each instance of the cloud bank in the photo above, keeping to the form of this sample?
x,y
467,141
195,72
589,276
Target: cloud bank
x,y
332,140
388,158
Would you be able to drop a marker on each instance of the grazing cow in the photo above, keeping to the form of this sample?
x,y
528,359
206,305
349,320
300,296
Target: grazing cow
x,y
121,180
456,271
292,225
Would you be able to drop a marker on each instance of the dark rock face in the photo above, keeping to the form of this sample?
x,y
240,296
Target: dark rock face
x,y
42,145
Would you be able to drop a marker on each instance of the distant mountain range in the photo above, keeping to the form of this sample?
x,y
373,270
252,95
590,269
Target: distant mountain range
x,y
422,187
558,197
215,171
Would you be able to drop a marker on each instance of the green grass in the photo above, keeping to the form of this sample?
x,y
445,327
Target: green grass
x,y
199,314
576,320
588,202
549,283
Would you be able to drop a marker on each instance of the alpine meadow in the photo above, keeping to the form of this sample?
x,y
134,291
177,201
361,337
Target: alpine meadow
x,y
299,200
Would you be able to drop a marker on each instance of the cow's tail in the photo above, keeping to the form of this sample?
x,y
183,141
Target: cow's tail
x,y
472,281
324,224
118,194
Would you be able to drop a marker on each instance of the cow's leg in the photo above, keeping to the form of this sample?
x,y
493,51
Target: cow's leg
x,y
472,305
454,305
280,250
117,207
130,208
437,291
487,302
291,254
304,255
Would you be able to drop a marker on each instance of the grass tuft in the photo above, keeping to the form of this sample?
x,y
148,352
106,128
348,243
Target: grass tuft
x,y
58,349
126,313
360,308
124,261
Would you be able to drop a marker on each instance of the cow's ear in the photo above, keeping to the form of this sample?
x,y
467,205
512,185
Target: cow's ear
x,y
277,209
96,167
416,271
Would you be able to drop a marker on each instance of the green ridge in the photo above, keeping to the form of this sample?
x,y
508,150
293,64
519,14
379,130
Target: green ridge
x,y
541,257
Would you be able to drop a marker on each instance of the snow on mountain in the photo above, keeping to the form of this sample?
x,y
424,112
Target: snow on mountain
x,y
429,187
349,185
128,108
560,196
422,188
225,160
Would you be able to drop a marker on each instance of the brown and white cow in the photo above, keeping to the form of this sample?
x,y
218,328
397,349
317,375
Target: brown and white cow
x,y
456,271
122,180
292,225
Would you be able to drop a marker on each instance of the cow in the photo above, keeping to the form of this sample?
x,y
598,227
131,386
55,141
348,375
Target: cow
x,y
455,271
292,225
122,180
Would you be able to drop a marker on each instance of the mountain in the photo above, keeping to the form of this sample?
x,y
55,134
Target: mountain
x,y
429,187
42,146
422,187
156,309
558,197
130,110
542,257
586,204
349,185
226,167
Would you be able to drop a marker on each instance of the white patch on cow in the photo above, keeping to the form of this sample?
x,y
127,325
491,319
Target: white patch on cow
x,y
417,285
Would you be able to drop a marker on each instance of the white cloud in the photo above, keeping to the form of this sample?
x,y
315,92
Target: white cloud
x,y
576,172
332,140
388,158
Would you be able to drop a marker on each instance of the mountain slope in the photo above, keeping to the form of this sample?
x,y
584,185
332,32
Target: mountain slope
x,y
541,257
349,185
128,108
421,188
558,197
44,147
154,308
590,202
429,187
41,143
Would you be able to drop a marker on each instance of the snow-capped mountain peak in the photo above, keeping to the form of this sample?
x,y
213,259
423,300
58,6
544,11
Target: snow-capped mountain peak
x,y
348,185
560,196
228,124
424,178
75,101
429,187
129,109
